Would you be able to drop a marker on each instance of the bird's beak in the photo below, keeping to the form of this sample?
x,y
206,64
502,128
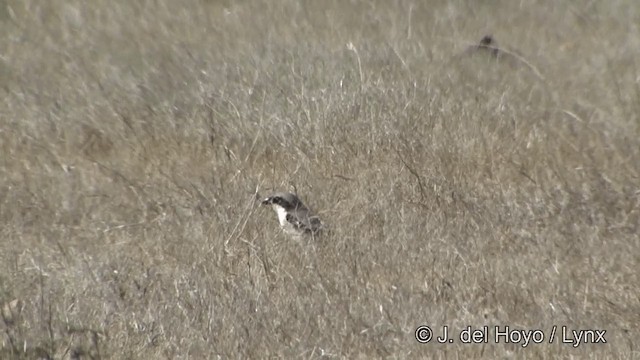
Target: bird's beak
x,y
267,201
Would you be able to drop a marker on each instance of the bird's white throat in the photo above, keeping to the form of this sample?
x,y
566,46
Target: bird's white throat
x,y
282,214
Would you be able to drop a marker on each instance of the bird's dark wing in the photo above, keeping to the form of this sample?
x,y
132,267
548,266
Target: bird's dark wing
x,y
308,224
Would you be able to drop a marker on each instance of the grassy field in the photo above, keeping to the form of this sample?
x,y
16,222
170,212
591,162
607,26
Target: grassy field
x,y
461,188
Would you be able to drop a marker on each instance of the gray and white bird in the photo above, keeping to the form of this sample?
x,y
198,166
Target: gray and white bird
x,y
294,217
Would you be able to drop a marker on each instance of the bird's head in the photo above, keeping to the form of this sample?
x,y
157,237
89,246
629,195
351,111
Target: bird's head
x,y
286,200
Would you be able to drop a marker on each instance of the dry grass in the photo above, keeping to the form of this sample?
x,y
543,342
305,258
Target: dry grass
x,y
461,189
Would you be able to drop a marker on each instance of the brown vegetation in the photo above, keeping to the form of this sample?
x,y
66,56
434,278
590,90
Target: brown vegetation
x,y
136,136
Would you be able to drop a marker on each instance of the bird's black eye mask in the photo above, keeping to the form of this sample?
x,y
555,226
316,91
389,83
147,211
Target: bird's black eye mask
x,y
272,200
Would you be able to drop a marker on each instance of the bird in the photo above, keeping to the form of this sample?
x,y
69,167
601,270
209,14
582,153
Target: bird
x,y
294,217
487,45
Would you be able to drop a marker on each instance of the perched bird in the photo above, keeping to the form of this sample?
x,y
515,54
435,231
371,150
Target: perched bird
x,y
294,217
487,45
